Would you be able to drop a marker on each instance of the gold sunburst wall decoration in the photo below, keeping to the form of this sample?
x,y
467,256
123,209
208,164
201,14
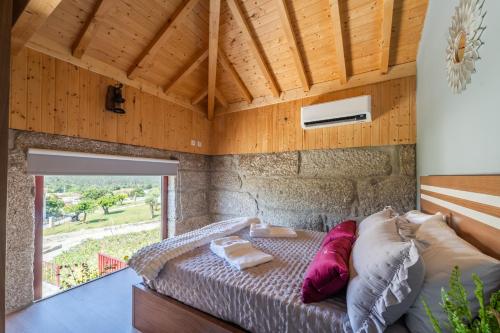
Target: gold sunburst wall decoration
x,y
464,41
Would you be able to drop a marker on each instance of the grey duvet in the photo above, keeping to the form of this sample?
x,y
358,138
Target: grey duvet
x,y
265,298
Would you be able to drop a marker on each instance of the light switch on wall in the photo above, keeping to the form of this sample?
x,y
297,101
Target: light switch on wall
x,y
193,143
199,144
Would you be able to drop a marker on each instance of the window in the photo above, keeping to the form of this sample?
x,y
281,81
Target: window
x,y
92,212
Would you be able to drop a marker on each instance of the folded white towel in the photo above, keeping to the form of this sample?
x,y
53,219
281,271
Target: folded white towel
x,y
238,252
269,231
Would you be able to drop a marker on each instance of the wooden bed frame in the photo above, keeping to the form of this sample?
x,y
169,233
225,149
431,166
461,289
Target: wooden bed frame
x,y
472,204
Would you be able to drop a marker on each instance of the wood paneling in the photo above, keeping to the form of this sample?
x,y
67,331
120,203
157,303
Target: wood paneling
x,y
471,203
277,128
52,96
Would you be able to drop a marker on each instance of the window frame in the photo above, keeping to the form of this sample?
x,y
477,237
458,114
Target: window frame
x,y
38,230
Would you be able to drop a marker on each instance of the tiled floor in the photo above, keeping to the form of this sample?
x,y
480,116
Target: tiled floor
x,y
101,306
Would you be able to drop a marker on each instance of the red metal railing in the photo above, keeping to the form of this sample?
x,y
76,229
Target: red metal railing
x,y
108,264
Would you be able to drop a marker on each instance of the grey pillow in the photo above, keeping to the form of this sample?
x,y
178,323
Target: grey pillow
x,y
444,251
386,275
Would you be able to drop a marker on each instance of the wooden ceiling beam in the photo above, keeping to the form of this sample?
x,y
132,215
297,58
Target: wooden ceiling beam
x,y
213,47
197,60
395,72
286,22
54,49
199,96
254,48
145,60
90,27
204,92
228,67
31,19
385,41
221,98
339,39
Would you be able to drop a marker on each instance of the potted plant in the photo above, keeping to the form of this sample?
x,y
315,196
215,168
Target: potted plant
x,y
456,306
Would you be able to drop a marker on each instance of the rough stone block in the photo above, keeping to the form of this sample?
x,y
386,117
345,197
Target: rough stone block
x,y
223,163
219,217
294,219
190,224
407,160
18,279
281,164
193,162
222,180
191,204
192,180
376,193
358,162
232,203
299,194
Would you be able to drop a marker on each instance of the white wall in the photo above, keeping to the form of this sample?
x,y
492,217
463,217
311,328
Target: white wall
x,y
458,134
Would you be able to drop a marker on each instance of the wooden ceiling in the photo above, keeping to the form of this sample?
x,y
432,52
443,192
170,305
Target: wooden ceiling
x,y
221,56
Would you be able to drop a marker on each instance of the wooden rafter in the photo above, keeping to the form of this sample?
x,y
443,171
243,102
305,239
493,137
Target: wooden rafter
x,y
258,54
199,96
385,41
146,58
213,47
339,39
54,49
204,92
286,22
228,67
395,72
197,60
220,97
90,27
31,19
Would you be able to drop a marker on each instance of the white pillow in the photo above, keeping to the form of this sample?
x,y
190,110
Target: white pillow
x,y
444,251
375,219
417,217
386,275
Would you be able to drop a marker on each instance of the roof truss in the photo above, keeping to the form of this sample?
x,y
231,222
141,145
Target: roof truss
x,y
385,42
258,54
339,39
90,27
31,19
145,60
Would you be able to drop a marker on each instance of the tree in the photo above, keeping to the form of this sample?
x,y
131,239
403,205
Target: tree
x,y
136,192
84,207
94,193
152,199
120,197
53,206
106,202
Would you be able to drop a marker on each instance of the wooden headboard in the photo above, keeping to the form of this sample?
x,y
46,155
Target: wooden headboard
x,y
472,204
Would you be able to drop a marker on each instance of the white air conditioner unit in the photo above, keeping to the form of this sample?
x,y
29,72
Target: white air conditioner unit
x,y
341,112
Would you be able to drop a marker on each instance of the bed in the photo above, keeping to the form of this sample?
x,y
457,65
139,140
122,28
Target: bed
x,y
199,292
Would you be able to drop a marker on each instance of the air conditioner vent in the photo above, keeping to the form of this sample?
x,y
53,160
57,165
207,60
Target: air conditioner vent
x,y
336,113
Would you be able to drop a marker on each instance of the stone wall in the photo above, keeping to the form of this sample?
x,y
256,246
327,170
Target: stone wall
x,y
313,189
310,189
191,185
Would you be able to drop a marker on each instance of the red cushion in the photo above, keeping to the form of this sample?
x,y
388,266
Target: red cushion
x,y
328,273
344,229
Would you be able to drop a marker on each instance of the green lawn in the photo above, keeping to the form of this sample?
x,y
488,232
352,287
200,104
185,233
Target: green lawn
x,y
97,219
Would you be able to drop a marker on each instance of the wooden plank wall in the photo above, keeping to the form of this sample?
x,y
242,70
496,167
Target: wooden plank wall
x,y
52,96
277,128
